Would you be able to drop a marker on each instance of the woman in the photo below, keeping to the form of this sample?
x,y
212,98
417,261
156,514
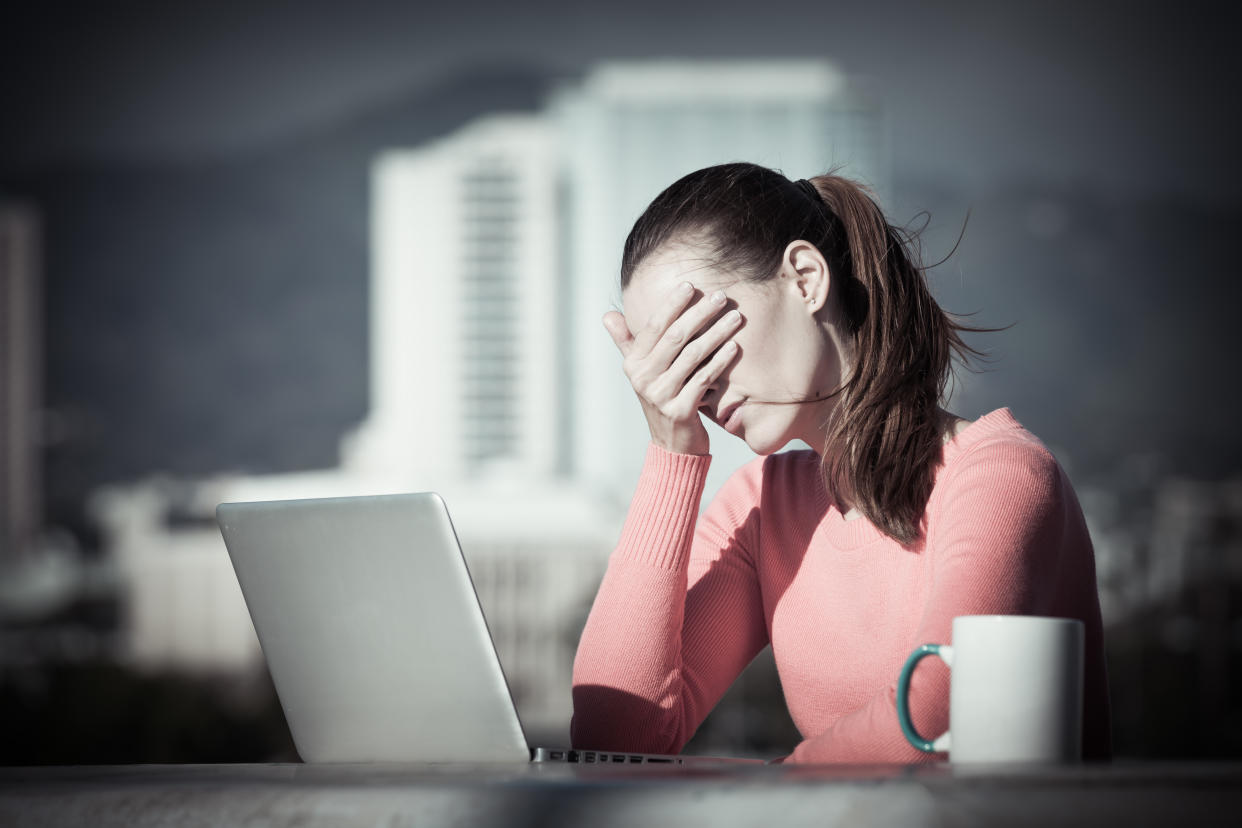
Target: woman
x,y
792,310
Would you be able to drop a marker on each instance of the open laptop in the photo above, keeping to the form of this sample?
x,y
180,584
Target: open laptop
x,y
374,636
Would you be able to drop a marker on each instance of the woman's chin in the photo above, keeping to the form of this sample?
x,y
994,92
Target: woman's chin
x,y
764,444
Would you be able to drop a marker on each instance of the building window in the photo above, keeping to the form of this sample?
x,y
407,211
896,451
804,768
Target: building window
x,y
489,311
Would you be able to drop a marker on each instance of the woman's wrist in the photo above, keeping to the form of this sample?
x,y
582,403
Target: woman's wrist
x,y
691,439
681,450
662,515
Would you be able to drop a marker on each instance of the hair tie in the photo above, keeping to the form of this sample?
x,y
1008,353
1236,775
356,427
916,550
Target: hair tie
x,y
810,191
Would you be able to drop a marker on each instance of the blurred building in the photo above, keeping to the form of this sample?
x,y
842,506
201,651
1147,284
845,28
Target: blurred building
x,y
1158,539
1169,566
1196,536
39,571
494,255
465,308
21,371
182,607
41,576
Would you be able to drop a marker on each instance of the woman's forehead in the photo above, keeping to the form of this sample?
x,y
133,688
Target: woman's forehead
x,y
674,263
662,271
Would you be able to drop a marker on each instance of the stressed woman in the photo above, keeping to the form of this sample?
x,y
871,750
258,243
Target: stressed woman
x,y
788,311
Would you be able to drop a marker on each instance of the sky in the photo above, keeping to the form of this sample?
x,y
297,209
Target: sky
x,y
1093,145
1129,95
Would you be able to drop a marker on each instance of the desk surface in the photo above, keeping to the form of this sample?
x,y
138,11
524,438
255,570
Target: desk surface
x,y
592,796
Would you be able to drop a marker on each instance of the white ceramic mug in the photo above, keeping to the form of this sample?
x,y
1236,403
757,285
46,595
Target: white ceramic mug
x,y
1015,694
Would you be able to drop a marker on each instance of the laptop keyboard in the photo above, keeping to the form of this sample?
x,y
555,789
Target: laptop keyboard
x,y
595,757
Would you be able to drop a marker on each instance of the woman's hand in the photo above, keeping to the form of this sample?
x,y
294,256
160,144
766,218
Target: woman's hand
x,y
674,358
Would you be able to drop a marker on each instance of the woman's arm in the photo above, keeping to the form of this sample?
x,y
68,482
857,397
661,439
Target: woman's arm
x,y
678,615
1005,532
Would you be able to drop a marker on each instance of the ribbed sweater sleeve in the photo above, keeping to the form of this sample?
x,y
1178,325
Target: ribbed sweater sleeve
x,y
648,667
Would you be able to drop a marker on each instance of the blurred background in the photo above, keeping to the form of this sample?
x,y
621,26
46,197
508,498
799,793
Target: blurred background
x,y
286,249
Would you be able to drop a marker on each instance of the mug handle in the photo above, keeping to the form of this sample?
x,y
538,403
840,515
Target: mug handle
x,y
945,654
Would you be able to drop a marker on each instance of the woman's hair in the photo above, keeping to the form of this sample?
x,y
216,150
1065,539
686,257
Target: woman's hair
x,y
886,434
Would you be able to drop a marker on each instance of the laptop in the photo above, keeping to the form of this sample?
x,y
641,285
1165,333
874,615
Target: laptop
x,y
374,636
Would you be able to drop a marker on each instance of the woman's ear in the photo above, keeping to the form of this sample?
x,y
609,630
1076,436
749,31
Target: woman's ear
x,y
807,273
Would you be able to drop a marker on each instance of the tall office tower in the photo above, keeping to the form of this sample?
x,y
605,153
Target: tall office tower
x,y
630,130
464,307
466,386
20,382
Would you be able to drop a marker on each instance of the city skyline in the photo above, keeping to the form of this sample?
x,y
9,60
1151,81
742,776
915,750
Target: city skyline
x,y
1088,148
277,318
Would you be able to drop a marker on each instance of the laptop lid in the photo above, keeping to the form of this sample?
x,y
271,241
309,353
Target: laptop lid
x,y
372,630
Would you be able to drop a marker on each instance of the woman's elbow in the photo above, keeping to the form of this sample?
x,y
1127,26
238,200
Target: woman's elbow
x,y
607,718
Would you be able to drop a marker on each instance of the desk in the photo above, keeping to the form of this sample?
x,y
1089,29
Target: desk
x,y
588,796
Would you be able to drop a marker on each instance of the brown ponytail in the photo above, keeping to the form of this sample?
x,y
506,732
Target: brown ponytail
x,y
885,435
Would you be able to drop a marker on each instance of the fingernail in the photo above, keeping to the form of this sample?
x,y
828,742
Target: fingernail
x,y
685,288
734,315
718,298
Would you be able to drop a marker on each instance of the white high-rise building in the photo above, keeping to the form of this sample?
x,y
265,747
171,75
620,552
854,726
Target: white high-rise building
x,y
632,129
465,307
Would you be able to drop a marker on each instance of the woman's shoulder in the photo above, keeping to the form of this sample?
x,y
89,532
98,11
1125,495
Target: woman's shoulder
x,y
1001,496
996,457
997,439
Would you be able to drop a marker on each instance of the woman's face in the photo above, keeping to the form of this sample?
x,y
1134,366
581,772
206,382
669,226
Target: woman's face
x,y
786,354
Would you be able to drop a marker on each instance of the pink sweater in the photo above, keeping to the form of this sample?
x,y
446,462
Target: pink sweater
x,y
683,608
